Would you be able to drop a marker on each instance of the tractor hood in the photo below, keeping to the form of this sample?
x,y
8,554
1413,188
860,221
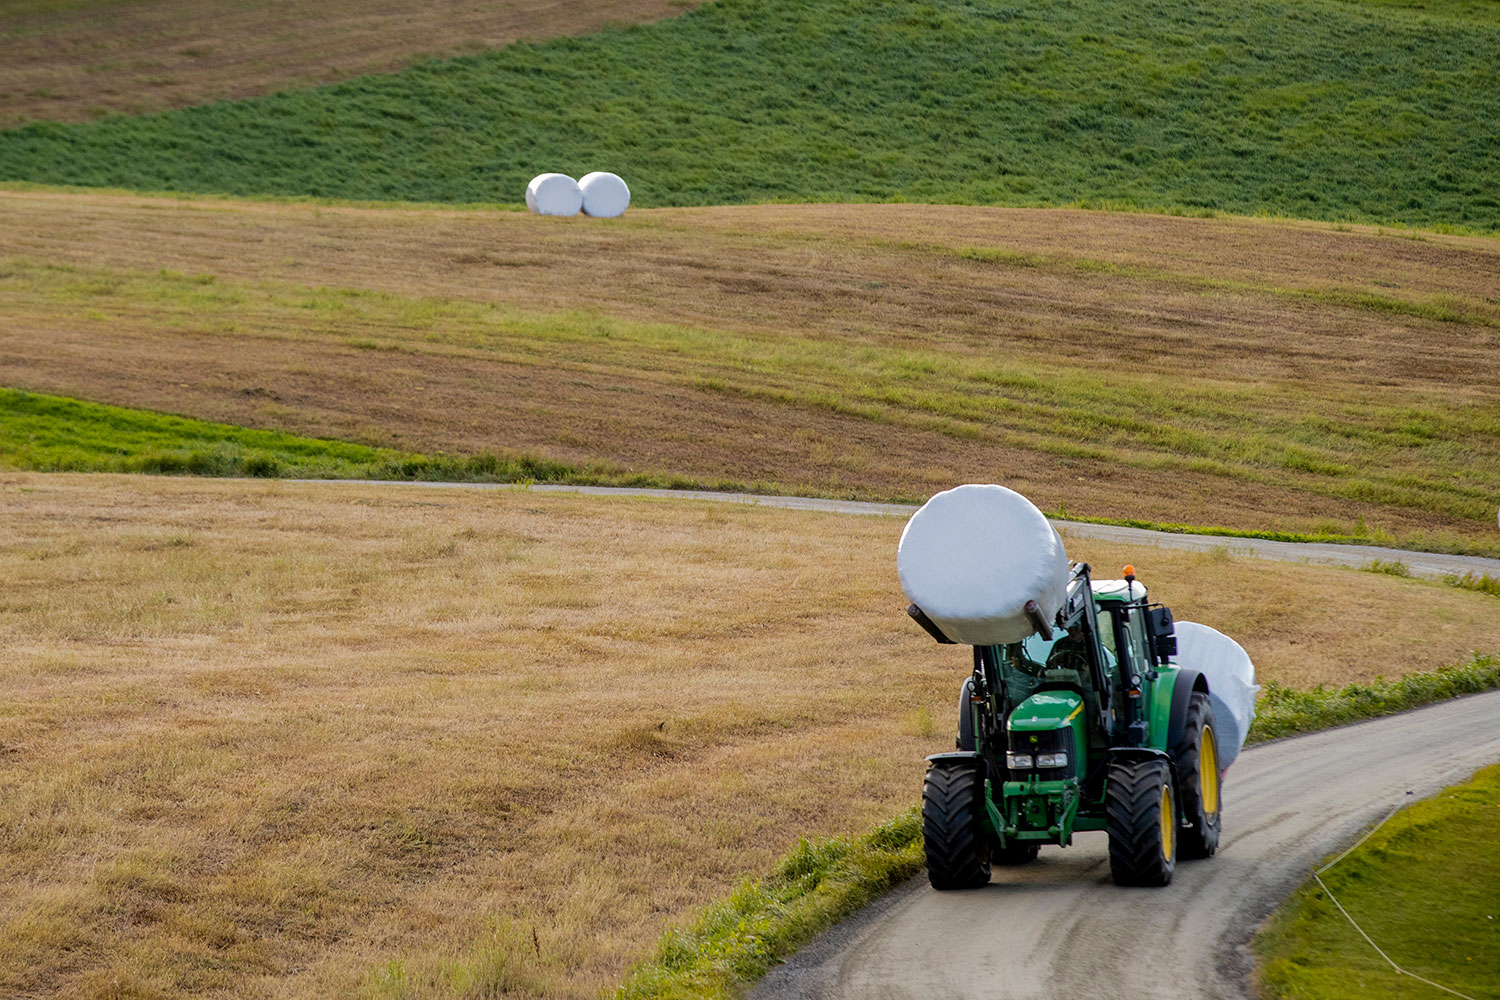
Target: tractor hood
x,y
1045,711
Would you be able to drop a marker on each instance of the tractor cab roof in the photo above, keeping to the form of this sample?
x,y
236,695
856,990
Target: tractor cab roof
x,y
1118,590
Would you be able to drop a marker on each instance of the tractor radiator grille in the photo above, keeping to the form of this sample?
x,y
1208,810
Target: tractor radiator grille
x,y
1049,741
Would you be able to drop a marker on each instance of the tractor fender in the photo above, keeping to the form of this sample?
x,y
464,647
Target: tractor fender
x,y
1188,681
1134,753
956,758
966,715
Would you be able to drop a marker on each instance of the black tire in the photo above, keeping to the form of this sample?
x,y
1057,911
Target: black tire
x,y
954,838
966,716
1017,852
1198,786
1141,816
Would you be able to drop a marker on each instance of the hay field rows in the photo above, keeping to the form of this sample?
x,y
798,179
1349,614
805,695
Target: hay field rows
x,y
294,740
72,60
1243,373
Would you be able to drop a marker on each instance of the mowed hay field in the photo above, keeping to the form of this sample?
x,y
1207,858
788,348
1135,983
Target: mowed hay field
x,y
72,60
299,740
1250,374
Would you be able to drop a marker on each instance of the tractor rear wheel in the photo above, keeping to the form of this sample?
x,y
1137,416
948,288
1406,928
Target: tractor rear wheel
x,y
953,836
1141,816
1197,759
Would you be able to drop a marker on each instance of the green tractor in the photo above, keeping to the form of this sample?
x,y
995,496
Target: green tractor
x,y
1086,724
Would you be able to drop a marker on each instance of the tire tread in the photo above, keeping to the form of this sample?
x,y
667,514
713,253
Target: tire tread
x,y
953,837
1132,810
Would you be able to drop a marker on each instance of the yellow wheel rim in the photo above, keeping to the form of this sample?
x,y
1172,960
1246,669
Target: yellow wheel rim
x,y
1168,822
1208,771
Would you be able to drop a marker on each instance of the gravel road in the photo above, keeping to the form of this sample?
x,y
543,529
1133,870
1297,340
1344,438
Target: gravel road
x,y
1059,927
1420,563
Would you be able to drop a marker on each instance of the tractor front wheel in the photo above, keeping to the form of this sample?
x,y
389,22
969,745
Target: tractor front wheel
x,y
1141,816
953,836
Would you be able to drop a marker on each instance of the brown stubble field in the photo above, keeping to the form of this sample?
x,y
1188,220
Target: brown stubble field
x,y
271,738
1245,373
71,60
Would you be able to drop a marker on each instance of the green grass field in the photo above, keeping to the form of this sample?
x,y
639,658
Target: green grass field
x,y
1323,109
56,434
1423,887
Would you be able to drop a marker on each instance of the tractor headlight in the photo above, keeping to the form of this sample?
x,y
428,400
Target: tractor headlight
x,y
1051,760
1018,761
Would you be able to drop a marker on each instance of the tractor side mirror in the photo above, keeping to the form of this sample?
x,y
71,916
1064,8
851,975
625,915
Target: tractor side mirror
x,y
1163,637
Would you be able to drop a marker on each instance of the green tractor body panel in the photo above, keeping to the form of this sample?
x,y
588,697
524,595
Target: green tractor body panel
x,y
1159,720
1043,806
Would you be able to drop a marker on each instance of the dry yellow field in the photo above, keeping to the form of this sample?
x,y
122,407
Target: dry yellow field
x,y
289,740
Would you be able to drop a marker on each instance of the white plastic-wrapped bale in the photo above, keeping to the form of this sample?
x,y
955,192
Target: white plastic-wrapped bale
x,y
1231,683
553,194
973,556
605,195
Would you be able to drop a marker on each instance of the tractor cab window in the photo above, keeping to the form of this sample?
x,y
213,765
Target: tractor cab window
x,y
1027,661
1022,665
1129,630
1034,651
1107,638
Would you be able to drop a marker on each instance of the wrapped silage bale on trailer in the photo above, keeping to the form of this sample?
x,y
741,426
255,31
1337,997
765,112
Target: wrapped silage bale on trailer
x,y
605,195
553,194
1231,683
973,556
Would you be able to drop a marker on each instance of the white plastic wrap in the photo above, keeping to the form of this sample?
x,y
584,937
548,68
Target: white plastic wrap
x,y
605,195
553,194
972,557
1231,683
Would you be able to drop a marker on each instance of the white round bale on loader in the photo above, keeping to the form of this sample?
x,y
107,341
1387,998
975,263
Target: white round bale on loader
x,y
972,557
1231,683
553,194
605,195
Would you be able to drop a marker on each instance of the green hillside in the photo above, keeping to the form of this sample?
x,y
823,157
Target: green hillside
x,y
1322,108
1318,108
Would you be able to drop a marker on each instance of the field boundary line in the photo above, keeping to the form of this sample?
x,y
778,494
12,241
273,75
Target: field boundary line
x,y
1422,564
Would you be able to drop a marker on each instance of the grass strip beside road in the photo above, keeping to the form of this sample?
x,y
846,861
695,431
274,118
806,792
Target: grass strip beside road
x,y
734,942
1422,887
1481,583
1286,711
56,434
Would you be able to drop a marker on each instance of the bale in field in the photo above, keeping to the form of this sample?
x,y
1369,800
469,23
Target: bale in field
x,y
605,195
553,194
